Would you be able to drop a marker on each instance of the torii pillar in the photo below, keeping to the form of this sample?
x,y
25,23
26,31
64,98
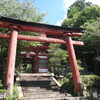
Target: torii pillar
x,y
11,59
73,63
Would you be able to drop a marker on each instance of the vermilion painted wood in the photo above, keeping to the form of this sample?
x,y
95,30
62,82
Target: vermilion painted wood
x,y
37,27
41,39
51,31
11,61
40,29
73,63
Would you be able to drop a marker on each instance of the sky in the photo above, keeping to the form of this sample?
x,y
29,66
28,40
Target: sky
x,y
56,9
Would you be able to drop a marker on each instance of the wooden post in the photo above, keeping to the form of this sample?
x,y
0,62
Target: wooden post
x,y
11,61
36,65
33,65
73,63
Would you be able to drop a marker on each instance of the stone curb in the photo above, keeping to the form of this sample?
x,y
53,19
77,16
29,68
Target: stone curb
x,y
19,88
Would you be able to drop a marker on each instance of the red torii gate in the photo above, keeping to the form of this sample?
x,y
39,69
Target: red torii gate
x,y
49,34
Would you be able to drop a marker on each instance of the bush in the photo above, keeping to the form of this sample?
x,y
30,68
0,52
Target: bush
x,y
90,83
15,95
69,75
28,69
68,85
3,91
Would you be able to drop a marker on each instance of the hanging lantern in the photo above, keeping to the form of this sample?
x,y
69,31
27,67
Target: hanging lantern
x,y
27,54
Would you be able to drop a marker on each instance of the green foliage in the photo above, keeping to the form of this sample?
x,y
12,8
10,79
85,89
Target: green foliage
x,y
57,58
71,21
15,95
89,82
78,18
28,69
88,17
76,14
68,85
89,14
24,11
20,10
91,40
69,76
72,11
3,91
79,65
3,57
77,6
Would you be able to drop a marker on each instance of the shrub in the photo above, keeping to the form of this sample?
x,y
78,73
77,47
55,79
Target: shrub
x,y
3,91
28,69
89,82
68,85
15,95
69,75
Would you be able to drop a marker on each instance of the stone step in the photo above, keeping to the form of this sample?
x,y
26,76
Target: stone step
x,y
35,88
35,78
43,97
46,93
37,84
63,98
41,89
44,85
37,92
25,91
33,81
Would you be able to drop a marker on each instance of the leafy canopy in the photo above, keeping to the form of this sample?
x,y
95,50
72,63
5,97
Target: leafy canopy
x,y
20,10
25,11
57,58
81,12
88,17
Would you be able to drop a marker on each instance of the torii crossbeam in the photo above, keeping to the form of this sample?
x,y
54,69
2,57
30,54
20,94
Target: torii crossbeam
x,y
49,34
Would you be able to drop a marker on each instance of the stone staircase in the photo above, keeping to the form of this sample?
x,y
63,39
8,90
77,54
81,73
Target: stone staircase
x,y
42,87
